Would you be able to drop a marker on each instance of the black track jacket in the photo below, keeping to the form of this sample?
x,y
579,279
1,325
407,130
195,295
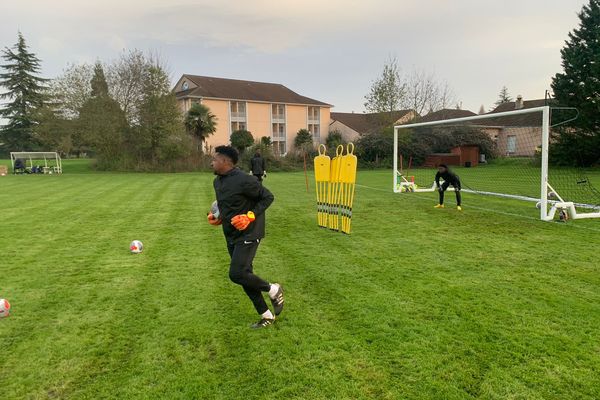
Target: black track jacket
x,y
237,193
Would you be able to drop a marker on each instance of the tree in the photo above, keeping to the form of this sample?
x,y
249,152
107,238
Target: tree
x,y
503,97
266,141
160,135
125,78
387,93
579,86
25,95
334,139
69,91
426,93
303,140
102,121
241,140
200,122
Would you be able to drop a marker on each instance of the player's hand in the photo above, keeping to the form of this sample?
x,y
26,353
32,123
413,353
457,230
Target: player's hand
x,y
213,221
241,222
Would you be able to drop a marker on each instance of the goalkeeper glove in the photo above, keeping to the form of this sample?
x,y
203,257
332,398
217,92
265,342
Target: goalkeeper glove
x,y
212,220
241,222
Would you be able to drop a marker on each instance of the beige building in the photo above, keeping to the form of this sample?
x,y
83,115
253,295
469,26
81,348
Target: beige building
x,y
354,125
264,109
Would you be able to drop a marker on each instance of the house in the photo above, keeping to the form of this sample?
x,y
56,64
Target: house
x,y
516,135
446,113
264,109
353,125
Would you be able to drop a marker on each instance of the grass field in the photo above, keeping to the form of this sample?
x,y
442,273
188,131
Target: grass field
x,y
417,303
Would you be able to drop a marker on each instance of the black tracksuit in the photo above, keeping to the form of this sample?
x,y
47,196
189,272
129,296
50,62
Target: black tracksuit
x,y
237,193
258,167
450,178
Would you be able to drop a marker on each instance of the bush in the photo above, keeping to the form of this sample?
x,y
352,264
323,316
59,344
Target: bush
x,y
241,140
334,139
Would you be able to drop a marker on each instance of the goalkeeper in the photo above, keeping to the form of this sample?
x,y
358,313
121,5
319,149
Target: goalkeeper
x,y
450,178
242,202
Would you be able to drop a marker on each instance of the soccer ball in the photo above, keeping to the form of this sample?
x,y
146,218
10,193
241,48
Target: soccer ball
x,y
214,210
136,247
551,195
4,308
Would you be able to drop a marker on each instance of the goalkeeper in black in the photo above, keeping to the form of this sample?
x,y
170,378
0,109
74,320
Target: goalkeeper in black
x,y
242,203
450,178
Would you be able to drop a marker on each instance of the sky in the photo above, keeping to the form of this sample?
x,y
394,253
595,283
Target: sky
x,y
330,50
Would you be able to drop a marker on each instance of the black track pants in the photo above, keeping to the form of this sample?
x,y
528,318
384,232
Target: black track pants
x,y
456,190
240,272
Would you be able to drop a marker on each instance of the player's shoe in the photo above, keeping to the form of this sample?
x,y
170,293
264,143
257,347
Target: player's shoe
x,y
278,301
439,206
459,208
262,323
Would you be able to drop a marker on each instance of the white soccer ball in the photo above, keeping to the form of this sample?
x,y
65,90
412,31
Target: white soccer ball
x,y
136,247
214,210
4,308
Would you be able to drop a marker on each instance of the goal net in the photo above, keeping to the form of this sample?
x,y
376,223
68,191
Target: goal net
x,y
504,154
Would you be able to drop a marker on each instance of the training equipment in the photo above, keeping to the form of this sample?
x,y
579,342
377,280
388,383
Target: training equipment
x,y
136,247
52,161
335,182
4,308
241,222
514,159
322,164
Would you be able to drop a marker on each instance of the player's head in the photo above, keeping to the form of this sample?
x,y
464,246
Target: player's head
x,y
442,168
225,158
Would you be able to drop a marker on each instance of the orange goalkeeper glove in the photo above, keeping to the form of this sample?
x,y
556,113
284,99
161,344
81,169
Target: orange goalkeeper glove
x,y
212,220
241,222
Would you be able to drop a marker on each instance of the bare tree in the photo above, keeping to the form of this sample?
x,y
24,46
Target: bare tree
x,y
426,93
71,90
125,78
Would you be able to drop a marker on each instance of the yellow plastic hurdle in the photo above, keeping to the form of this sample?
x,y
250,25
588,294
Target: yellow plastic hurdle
x,y
335,182
322,177
348,184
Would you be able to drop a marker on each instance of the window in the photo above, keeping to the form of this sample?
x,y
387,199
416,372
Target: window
x,y
238,126
278,130
314,127
237,115
511,144
278,112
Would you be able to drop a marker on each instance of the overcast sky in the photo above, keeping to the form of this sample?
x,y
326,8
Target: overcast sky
x,y
330,50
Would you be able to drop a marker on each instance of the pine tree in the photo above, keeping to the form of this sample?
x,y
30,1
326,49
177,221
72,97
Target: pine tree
x,y
579,86
503,97
102,123
25,95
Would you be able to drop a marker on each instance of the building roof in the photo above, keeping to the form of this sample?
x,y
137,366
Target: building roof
x,y
234,89
532,119
446,113
366,122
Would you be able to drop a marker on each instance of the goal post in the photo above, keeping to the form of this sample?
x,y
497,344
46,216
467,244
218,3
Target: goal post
x,y
525,150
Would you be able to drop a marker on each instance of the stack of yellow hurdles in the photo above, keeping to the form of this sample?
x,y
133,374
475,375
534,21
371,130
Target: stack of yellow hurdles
x,y
335,183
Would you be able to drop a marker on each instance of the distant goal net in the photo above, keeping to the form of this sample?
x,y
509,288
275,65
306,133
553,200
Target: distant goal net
x,y
503,154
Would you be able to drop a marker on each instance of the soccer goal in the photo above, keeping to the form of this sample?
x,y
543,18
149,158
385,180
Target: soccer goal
x,y
47,162
503,154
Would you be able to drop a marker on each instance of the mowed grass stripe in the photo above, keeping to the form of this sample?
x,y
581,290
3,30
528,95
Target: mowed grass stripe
x,y
416,303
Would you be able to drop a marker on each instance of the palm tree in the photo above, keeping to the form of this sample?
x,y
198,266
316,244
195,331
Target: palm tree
x,y
200,122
